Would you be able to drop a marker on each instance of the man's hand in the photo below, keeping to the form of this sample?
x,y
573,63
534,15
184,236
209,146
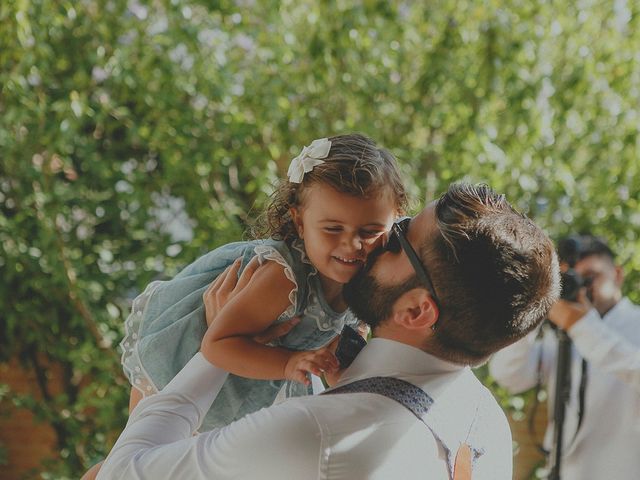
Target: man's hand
x,y
565,313
227,286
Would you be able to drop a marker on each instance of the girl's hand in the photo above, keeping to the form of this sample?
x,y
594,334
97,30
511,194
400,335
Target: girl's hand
x,y
317,362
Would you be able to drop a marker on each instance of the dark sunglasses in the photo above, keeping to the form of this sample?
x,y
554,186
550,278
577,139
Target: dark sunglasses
x,y
398,240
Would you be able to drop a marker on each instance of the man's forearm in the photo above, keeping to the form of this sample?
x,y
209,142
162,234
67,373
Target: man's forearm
x,y
170,416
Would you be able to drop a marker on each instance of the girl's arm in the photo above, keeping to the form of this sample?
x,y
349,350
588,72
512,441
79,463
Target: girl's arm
x,y
228,343
221,290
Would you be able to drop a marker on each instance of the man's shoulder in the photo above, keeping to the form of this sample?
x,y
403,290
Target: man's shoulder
x,y
474,404
491,409
479,402
631,309
490,437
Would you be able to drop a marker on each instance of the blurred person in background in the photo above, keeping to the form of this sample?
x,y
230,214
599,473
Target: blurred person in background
x,y
601,426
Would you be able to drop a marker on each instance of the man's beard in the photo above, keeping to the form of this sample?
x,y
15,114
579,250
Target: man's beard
x,y
370,301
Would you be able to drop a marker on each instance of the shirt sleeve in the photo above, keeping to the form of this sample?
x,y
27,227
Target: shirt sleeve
x,y
516,366
607,350
158,441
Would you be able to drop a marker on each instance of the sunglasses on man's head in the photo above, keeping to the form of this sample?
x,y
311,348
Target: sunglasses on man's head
x,y
398,240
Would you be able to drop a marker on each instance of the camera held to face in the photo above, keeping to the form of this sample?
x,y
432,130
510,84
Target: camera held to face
x,y
571,283
569,251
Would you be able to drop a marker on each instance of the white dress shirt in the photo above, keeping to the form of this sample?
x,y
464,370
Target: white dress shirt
x,y
606,349
606,445
340,436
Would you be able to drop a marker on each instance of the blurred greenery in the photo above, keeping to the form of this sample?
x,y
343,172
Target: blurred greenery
x,y
135,136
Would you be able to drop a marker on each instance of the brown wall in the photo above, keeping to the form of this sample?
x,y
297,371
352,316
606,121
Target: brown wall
x,y
27,441
527,454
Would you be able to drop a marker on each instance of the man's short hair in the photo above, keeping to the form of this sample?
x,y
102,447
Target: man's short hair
x,y
574,248
495,273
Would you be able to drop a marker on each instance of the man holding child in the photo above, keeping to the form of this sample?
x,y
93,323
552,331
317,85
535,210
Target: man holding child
x,y
465,277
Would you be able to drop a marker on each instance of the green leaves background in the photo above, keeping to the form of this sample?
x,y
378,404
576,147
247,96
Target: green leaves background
x,y
135,136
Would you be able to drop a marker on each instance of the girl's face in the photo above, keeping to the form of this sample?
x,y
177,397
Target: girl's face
x,y
340,230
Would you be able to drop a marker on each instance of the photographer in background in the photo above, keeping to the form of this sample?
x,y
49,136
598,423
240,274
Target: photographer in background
x,y
601,424
609,350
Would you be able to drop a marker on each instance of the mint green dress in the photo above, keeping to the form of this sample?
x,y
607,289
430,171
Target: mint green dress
x,y
167,323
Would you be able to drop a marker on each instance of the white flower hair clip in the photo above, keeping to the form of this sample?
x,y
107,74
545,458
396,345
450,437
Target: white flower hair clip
x,y
309,158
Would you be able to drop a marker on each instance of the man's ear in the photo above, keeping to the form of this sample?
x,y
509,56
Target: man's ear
x,y
296,216
416,310
619,276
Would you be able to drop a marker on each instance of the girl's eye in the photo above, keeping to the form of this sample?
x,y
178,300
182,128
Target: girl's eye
x,y
333,229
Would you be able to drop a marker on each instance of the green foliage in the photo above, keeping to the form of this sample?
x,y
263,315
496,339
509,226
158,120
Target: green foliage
x,y
136,136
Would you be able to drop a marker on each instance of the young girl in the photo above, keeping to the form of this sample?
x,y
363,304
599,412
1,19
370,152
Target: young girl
x,y
342,194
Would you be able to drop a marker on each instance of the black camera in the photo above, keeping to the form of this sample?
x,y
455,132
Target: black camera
x,y
571,283
570,251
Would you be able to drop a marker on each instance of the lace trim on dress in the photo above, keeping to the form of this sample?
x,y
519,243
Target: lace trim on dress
x,y
298,245
265,252
131,364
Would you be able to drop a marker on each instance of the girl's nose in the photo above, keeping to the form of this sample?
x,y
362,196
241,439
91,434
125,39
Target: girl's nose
x,y
356,242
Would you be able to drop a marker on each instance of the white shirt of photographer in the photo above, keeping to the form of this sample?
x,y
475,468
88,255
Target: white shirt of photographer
x,y
606,446
342,436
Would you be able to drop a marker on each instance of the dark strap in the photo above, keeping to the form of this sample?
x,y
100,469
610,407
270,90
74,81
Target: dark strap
x,y
416,400
584,378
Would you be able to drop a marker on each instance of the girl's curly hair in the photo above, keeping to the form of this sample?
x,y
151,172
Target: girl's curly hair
x,y
355,166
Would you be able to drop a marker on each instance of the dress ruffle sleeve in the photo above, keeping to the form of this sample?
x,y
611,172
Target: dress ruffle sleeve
x,y
270,253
